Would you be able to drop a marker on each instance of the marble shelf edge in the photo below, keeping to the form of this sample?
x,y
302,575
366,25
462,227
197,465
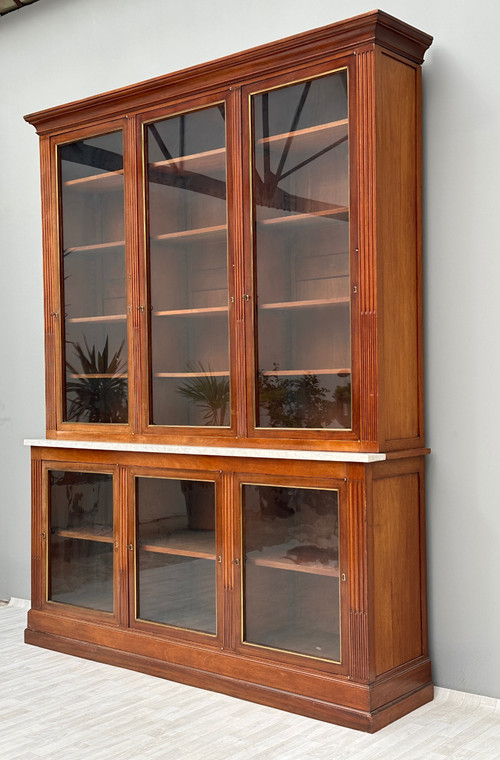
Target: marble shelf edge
x,y
150,448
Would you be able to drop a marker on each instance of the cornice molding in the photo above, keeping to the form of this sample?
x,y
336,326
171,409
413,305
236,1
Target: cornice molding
x,y
317,45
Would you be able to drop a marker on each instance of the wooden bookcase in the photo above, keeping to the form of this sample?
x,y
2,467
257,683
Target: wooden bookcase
x,y
231,488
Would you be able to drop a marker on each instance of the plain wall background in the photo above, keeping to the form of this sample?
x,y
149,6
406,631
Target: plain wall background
x,y
53,52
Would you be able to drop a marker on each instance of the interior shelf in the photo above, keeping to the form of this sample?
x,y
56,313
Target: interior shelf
x,y
211,233
335,212
310,304
94,248
308,217
319,643
195,162
208,311
224,373
310,137
103,318
276,557
98,183
188,543
97,375
296,372
104,534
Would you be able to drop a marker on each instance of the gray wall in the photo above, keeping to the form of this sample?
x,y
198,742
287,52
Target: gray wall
x,y
53,52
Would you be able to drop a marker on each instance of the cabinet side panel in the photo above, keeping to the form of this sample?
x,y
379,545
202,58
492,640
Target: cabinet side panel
x,y
399,247
397,560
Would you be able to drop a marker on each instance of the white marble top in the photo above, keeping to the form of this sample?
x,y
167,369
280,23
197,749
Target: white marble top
x,y
223,451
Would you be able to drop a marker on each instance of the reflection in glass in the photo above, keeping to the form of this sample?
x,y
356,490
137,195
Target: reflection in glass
x,y
188,269
301,236
81,539
175,571
93,264
291,576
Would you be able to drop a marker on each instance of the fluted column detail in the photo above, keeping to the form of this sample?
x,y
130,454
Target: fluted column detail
x,y
366,160
358,620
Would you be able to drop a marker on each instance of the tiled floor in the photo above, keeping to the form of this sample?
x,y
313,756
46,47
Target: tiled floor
x,y
57,707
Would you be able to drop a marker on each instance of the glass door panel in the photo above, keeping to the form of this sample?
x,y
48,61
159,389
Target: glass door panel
x,y
188,269
176,545
291,595
94,280
300,189
81,539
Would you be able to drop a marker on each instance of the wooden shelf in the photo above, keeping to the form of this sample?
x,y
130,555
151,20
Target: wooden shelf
x,y
314,138
105,534
311,304
314,643
212,233
94,248
275,557
195,162
297,372
208,311
186,543
98,376
311,217
223,373
98,183
105,318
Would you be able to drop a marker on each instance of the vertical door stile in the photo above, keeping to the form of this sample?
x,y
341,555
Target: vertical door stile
x,y
246,284
354,241
226,593
133,273
235,508
129,540
38,530
52,300
120,544
236,241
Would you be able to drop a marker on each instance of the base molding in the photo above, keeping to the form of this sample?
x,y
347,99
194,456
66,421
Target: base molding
x,y
319,709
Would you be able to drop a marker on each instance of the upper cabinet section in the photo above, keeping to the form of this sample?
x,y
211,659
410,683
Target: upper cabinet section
x,y
232,253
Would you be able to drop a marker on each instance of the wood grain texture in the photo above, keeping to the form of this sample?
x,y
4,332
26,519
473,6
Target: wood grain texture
x,y
371,600
367,301
37,553
397,544
358,582
382,626
398,244
51,279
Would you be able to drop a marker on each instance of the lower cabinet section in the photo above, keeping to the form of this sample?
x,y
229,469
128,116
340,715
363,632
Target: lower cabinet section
x,y
296,584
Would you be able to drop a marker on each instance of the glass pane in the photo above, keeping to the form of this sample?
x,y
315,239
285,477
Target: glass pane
x,y
188,269
291,580
175,572
301,255
94,281
81,539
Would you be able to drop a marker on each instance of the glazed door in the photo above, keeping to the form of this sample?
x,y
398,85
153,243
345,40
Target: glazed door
x,y
81,538
189,269
176,557
293,551
92,288
299,323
